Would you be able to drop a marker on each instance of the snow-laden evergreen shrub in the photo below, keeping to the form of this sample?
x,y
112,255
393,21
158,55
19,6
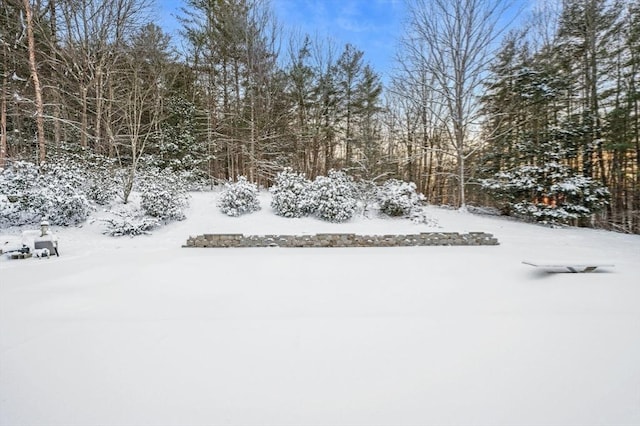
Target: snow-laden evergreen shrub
x,y
130,224
28,196
291,194
334,197
102,191
239,198
398,198
103,184
94,175
195,180
64,206
16,187
163,194
552,193
10,213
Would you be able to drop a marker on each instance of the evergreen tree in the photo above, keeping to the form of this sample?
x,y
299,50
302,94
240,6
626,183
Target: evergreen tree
x,y
179,145
370,158
501,106
232,47
302,77
349,69
586,30
548,191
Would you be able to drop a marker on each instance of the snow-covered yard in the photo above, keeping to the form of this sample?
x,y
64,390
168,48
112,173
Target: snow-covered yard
x,y
121,331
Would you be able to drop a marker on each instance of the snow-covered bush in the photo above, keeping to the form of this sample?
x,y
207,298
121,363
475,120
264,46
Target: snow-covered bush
x,y
103,185
398,198
63,206
92,174
28,196
239,198
552,193
334,197
419,216
163,194
195,180
16,183
10,213
102,191
367,196
291,194
130,224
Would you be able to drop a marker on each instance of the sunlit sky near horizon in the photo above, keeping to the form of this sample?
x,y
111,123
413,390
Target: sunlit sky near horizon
x,y
372,26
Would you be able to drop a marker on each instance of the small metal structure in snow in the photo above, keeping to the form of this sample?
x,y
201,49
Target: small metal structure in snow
x,y
568,267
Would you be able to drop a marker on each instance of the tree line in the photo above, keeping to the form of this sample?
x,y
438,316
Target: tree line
x,y
565,90
244,96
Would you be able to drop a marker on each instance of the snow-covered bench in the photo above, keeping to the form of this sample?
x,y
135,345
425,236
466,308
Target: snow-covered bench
x,y
568,267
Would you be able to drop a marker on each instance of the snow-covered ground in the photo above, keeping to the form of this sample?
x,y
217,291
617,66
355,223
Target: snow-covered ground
x,y
139,331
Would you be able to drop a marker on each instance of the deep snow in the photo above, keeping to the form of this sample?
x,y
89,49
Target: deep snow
x,y
139,331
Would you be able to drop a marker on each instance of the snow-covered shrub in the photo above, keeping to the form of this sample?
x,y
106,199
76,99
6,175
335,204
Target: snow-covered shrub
x,y
195,180
129,224
398,198
16,183
102,191
92,174
367,196
419,216
10,213
163,194
291,194
239,198
103,185
334,197
552,193
64,206
18,177
28,196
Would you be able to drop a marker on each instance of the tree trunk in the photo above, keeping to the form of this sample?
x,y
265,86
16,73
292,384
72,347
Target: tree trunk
x,y
252,139
98,143
3,125
42,153
3,111
84,118
462,202
57,98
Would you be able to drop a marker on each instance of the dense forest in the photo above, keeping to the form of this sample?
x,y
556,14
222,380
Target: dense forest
x,y
540,121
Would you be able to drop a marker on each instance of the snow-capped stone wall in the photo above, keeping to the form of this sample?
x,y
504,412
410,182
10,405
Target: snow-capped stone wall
x,y
344,240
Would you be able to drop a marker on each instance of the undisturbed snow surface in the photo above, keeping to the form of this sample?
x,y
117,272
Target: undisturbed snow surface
x,y
121,331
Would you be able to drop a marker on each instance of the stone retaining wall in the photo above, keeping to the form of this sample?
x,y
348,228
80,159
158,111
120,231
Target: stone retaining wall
x,y
344,240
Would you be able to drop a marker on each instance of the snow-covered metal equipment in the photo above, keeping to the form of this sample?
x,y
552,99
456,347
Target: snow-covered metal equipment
x,y
568,266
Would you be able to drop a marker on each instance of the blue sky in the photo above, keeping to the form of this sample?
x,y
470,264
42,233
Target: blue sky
x,y
373,26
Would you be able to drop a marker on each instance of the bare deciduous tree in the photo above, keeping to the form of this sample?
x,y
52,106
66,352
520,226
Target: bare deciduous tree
x,y
141,84
456,37
93,33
